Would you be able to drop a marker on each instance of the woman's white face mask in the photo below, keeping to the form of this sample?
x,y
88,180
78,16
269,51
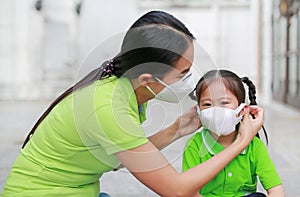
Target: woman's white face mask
x,y
222,121
176,91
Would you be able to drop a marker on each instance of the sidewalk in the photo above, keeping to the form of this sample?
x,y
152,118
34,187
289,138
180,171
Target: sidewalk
x,y
281,122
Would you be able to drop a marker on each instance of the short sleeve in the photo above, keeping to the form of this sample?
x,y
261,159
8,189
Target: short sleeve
x,y
119,129
190,157
265,168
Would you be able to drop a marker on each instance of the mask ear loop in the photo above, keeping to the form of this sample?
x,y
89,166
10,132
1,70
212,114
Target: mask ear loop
x,y
160,81
198,110
151,90
240,108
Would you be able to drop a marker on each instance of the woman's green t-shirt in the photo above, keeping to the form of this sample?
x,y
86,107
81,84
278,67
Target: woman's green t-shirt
x,y
76,142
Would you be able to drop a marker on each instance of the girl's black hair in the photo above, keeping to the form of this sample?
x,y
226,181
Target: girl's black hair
x,y
232,82
155,40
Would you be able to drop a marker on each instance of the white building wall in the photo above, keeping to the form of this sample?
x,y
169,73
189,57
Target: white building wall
x,y
227,30
23,45
18,43
266,71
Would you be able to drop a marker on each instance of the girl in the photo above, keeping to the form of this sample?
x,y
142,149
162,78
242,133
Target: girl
x,y
221,98
95,125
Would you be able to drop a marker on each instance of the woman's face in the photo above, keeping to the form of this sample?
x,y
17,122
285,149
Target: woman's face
x,y
216,94
181,68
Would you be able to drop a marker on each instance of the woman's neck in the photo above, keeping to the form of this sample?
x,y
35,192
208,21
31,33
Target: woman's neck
x,y
142,95
225,140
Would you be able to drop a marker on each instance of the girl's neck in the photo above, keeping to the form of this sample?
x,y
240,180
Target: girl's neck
x,y
225,140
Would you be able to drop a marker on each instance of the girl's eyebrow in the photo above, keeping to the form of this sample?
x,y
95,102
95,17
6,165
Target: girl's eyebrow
x,y
224,97
221,98
205,99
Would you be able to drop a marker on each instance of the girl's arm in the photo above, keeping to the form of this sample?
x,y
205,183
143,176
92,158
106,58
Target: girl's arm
x,y
276,191
149,166
184,125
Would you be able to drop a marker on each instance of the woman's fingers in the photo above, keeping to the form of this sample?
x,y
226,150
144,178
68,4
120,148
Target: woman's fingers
x,y
256,111
251,123
188,122
191,113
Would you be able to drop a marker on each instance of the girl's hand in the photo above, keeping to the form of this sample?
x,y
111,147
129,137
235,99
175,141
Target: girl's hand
x,y
187,123
251,124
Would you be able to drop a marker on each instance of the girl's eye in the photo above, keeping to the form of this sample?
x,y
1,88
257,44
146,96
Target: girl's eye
x,y
224,102
206,104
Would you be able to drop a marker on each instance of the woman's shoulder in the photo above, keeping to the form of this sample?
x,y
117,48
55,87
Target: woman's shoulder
x,y
107,90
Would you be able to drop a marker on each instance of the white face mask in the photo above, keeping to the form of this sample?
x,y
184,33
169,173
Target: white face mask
x,y
220,120
176,91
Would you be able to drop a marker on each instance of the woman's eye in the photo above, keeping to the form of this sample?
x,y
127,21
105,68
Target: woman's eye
x,y
206,104
179,76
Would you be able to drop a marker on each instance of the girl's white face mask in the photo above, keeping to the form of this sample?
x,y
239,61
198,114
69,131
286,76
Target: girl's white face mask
x,y
176,91
220,120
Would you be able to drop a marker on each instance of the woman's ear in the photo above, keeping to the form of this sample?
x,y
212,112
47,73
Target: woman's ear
x,y
145,79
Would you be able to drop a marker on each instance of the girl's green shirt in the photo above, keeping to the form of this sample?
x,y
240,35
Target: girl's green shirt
x,y
239,177
75,144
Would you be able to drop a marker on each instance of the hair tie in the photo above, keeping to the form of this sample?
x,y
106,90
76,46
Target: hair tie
x,y
107,68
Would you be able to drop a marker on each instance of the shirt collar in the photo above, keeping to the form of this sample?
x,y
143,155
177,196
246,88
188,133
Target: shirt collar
x,y
211,145
141,109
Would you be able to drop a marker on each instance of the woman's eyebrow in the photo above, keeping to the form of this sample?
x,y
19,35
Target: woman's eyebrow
x,y
185,71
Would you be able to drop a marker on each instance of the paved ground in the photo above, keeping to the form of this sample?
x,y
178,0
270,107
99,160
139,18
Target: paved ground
x,y
282,123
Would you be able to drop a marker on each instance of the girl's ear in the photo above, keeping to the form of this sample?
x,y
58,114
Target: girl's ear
x,y
244,111
145,79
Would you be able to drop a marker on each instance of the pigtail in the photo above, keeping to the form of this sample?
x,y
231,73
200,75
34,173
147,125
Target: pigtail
x,y
251,90
252,98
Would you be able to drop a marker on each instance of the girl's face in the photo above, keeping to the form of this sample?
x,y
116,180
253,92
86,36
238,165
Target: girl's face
x,y
216,94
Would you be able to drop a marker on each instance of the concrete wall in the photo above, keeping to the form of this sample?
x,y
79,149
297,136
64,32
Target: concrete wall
x,y
34,46
20,28
227,30
44,52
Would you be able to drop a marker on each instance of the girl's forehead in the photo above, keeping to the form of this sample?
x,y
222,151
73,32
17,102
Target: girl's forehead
x,y
216,89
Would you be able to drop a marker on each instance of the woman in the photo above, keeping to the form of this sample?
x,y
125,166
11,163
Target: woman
x,y
95,126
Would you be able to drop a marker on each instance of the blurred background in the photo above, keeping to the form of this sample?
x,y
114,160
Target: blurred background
x,y
44,45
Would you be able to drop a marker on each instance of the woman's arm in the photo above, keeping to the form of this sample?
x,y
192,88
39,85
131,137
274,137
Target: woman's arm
x,y
276,191
149,166
184,125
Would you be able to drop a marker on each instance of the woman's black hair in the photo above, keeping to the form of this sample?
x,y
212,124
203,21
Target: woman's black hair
x,y
155,40
162,18
233,83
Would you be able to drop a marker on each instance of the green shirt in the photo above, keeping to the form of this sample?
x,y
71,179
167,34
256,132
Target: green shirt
x,y
75,144
239,177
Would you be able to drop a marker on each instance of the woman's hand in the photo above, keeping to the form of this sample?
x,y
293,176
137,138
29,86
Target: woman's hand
x,y
251,124
184,125
187,123
197,195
